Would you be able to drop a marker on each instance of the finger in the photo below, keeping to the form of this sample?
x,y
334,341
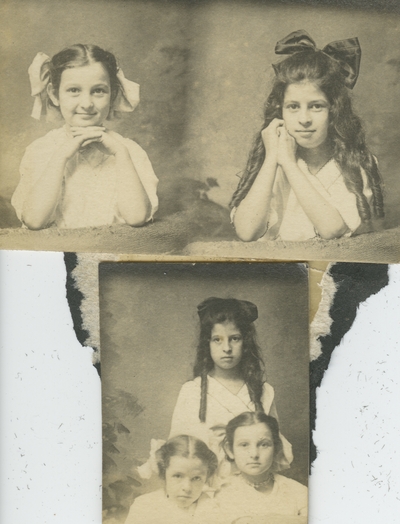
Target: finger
x,y
89,141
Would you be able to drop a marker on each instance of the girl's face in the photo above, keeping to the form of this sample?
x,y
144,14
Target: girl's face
x,y
226,345
84,96
253,449
184,480
306,114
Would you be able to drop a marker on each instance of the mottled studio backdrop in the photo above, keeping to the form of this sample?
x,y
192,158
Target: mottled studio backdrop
x,y
204,70
149,332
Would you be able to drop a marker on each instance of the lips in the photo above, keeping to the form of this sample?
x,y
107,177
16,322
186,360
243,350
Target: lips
x,y
307,133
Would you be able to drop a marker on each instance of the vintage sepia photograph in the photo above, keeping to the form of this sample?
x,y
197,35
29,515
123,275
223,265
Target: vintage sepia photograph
x,y
221,129
205,392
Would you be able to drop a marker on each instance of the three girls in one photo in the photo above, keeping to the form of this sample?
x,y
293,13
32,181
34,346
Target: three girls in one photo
x,y
228,392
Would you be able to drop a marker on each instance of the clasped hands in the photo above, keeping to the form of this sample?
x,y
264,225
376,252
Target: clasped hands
x,y
280,146
80,137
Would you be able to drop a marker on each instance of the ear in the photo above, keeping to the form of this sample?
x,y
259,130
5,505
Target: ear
x,y
52,94
228,451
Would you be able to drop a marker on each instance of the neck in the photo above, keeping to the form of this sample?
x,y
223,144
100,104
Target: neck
x,y
226,374
318,156
263,482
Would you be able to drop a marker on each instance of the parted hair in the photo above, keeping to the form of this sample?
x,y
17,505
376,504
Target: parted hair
x,y
188,447
345,129
251,364
250,418
79,55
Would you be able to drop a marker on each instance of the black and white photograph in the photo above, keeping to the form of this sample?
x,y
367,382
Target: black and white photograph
x,y
220,129
205,392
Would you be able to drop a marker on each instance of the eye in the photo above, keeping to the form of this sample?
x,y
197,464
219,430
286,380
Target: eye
x,y
216,339
73,90
100,91
318,106
177,475
236,338
292,106
265,444
243,444
196,479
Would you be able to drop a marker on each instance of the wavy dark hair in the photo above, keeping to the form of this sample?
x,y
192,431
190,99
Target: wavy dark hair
x,y
251,364
79,55
250,419
345,129
188,447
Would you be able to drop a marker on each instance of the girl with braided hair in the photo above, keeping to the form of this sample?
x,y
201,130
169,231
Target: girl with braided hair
x,y
228,377
310,173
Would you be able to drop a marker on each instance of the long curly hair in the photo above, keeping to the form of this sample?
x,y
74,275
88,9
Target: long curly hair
x,y
251,364
345,129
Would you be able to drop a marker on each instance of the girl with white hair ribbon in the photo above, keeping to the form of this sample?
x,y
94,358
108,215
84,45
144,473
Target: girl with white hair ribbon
x,y
83,174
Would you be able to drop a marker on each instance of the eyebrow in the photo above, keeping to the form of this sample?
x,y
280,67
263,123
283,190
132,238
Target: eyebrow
x,y
319,100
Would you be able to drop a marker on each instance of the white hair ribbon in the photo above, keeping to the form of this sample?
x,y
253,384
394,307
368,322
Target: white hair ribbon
x,y
39,78
128,95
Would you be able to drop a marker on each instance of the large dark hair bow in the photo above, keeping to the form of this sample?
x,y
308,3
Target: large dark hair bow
x,y
346,52
248,309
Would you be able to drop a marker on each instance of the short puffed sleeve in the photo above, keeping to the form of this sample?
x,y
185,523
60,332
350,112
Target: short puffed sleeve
x,y
144,170
33,164
342,199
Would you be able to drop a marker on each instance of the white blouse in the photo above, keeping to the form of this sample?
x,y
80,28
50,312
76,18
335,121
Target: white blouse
x,y
157,508
237,498
287,219
89,192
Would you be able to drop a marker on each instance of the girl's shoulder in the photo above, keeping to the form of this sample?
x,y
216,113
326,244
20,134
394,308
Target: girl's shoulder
x,y
150,498
287,484
52,138
192,385
133,146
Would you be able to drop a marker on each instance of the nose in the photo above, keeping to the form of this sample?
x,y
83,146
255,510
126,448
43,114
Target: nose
x,y
86,101
187,486
254,453
227,346
305,117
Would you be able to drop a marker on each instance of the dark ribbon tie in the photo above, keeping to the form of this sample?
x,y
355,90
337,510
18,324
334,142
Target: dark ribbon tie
x,y
346,52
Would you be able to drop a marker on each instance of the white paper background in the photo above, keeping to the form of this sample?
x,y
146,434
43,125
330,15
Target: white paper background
x,y
50,408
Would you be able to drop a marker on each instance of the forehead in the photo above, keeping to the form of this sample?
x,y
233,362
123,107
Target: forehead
x,y
94,73
227,327
253,432
189,466
304,91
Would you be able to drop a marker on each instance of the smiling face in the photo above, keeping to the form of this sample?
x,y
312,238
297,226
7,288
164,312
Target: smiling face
x,y
84,96
184,480
253,450
305,112
226,345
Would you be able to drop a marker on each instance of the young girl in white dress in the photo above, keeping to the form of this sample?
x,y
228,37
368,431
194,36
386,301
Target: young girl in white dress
x,y
256,492
229,377
185,464
310,173
83,174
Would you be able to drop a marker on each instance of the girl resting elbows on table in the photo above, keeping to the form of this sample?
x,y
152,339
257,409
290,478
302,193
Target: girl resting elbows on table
x,y
83,174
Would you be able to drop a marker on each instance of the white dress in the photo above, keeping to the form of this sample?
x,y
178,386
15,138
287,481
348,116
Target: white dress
x,y
222,406
89,192
157,508
237,498
287,219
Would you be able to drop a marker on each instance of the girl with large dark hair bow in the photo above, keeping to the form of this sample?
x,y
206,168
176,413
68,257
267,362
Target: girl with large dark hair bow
x,y
310,173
